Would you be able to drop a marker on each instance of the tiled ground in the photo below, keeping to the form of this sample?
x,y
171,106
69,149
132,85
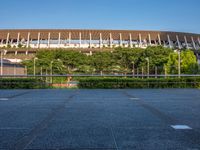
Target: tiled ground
x,y
99,119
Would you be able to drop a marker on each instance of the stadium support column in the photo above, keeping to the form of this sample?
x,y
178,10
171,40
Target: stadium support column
x,y
80,39
7,39
186,43
120,40
18,36
131,43
110,40
169,41
2,42
100,40
193,43
90,43
70,37
179,44
159,39
149,35
59,36
199,41
38,43
49,37
28,40
11,42
140,40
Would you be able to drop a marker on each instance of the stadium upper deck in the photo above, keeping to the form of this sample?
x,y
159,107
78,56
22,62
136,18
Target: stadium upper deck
x,y
46,38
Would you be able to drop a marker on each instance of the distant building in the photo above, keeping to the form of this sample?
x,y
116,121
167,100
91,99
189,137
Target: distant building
x,y
10,68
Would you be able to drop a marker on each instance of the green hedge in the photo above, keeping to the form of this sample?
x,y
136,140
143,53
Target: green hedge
x,y
21,83
120,83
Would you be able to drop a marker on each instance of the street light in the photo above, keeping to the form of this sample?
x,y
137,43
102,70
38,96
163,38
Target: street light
x,y
156,71
133,68
179,63
142,72
34,61
147,59
41,73
51,67
165,68
137,72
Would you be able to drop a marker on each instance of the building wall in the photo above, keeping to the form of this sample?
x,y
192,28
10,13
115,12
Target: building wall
x,y
12,70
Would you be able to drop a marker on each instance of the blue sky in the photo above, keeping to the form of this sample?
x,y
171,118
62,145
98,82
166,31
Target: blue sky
x,y
168,15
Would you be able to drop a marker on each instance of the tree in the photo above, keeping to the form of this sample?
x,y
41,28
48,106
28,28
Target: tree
x,y
172,64
188,63
101,61
158,56
120,60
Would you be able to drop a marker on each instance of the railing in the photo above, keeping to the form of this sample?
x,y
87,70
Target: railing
x,y
102,75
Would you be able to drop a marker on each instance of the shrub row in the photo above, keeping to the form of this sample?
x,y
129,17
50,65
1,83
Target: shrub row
x,y
21,83
120,83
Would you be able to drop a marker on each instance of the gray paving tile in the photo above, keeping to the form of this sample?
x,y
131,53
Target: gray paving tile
x,y
101,119
74,138
155,139
8,137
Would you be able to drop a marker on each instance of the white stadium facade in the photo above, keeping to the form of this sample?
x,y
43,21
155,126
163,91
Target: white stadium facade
x,y
91,39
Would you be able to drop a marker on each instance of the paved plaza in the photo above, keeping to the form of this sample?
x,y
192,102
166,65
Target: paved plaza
x,y
143,119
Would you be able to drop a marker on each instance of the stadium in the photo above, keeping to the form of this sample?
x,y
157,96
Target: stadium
x,y
96,39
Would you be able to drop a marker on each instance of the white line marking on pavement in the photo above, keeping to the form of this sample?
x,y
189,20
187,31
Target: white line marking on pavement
x,y
4,99
181,127
134,98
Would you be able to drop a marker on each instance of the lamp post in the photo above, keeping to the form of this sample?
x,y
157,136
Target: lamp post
x,y
147,59
51,67
142,72
156,71
133,68
34,61
165,68
41,72
179,63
